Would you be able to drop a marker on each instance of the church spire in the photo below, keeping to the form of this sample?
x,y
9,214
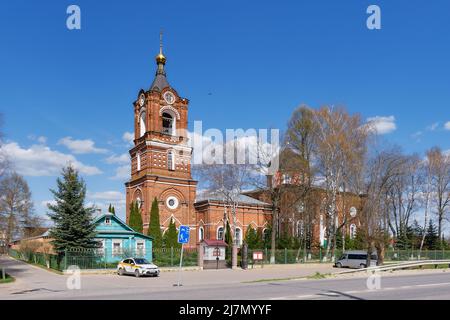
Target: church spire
x,y
160,58
160,81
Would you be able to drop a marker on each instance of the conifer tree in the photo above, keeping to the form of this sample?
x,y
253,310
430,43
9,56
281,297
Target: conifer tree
x,y
228,236
73,225
432,237
253,238
171,236
154,230
111,209
135,221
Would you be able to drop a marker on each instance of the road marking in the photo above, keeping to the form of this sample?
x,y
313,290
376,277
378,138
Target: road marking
x,y
332,294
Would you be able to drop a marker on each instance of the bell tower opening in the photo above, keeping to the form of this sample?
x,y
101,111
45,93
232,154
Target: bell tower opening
x,y
168,122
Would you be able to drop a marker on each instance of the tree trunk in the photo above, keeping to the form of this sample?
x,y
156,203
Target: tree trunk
x,y
380,253
274,233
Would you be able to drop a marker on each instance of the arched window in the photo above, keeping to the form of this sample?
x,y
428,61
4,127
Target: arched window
x,y
139,202
352,231
142,128
238,236
220,233
201,234
170,160
138,160
168,122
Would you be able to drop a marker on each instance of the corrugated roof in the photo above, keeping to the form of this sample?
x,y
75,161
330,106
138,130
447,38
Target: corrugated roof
x,y
242,199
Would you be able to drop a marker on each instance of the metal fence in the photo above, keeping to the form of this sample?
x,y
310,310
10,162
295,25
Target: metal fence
x,y
102,259
46,260
170,257
291,256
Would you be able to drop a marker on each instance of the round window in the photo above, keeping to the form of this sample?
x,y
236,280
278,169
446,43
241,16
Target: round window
x,y
172,203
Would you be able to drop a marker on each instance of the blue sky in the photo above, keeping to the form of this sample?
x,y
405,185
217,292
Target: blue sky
x,y
242,64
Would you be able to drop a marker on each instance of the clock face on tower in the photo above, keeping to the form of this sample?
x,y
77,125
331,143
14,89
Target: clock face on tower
x,y
169,97
141,100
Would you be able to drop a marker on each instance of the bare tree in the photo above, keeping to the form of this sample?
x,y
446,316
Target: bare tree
x,y
16,206
440,180
227,180
403,194
376,180
426,168
300,139
340,142
3,158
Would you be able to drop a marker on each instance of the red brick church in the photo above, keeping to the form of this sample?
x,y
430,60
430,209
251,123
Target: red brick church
x,y
161,168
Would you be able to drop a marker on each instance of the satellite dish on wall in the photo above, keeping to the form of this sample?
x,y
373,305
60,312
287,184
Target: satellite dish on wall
x,y
353,212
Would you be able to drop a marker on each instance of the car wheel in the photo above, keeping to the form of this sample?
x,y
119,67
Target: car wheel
x,y
362,266
120,272
137,274
338,265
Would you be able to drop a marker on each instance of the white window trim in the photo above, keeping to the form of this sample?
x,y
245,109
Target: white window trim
x,y
106,219
138,241
142,124
201,233
240,233
138,160
175,116
223,233
121,246
172,163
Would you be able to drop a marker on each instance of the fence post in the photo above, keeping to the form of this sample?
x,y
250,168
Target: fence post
x,y
3,273
104,257
265,254
171,256
65,259
285,255
320,254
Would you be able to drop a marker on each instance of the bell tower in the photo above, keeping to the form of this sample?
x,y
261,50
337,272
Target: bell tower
x,y
161,157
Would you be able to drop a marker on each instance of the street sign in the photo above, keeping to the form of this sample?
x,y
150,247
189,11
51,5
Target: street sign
x,y
257,255
183,237
183,234
216,252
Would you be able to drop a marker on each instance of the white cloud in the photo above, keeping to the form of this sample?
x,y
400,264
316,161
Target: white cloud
x,y
40,160
80,146
417,136
128,137
102,200
433,127
47,202
115,196
40,139
382,125
447,126
122,173
118,159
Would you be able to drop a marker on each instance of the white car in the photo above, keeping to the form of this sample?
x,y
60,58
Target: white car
x,y
138,267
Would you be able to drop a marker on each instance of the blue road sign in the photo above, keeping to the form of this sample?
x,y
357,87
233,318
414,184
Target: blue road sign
x,y
183,234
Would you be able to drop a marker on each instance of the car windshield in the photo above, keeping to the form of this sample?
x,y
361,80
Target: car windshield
x,y
141,261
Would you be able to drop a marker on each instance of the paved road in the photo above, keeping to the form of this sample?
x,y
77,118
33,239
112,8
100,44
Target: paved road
x,y
36,283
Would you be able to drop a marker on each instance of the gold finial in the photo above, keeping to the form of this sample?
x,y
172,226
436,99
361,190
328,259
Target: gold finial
x,y
160,58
